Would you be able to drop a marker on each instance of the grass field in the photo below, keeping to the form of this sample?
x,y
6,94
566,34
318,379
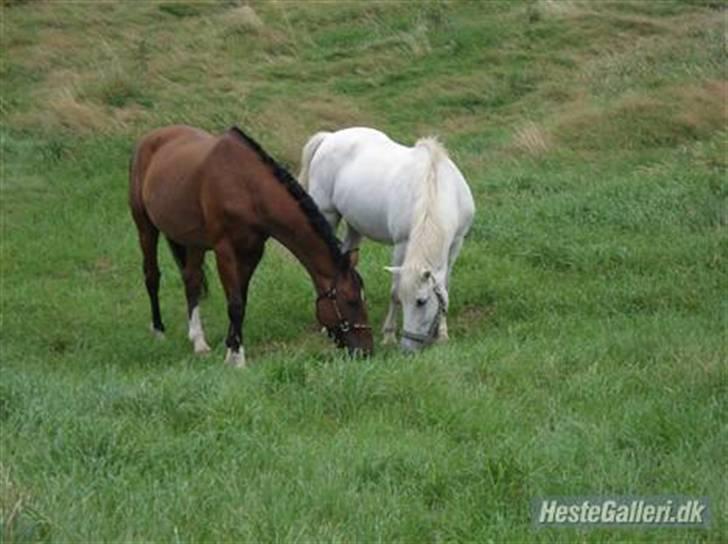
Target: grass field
x,y
588,308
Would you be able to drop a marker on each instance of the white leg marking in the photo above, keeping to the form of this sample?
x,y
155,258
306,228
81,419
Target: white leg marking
x,y
389,329
196,334
236,360
159,335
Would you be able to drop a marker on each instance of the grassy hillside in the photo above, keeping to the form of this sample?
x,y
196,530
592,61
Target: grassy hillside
x,y
587,309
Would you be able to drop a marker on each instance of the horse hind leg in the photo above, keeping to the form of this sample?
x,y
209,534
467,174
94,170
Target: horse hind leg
x,y
333,218
352,240
148,237
191,262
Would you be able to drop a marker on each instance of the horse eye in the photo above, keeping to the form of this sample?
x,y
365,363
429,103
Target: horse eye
x,y
421,301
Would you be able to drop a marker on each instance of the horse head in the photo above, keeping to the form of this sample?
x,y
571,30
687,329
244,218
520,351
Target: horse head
x,y
424,301
341,309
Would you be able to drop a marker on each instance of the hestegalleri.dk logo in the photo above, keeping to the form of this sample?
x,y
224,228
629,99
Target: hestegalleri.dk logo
x,y
655,511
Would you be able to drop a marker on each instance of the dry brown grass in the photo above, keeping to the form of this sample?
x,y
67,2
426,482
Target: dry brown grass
x,y
333,112
287,124
705,107
559,8
130,116
43,53
415,43
65,112
243,18
532,139
82,102
687,46
16,510
676,115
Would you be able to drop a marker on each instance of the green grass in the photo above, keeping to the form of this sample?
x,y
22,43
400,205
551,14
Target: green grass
x,y
588,308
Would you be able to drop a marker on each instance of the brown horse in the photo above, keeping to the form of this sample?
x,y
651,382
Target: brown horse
x,y
227,194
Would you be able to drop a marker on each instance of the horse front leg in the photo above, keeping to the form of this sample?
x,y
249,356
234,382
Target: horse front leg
x,y
352,239
235,269
247,263
389,329
442,334
227,268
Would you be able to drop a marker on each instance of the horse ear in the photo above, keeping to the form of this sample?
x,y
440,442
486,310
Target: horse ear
x,y
393,269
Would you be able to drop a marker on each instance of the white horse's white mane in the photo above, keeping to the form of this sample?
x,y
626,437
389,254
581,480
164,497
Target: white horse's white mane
x,y
426,241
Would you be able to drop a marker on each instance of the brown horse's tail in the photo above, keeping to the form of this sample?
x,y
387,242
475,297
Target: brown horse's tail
x,y
180,257
137,167
309,150
134,189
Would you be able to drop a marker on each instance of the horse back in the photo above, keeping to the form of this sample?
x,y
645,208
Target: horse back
x,y
376,183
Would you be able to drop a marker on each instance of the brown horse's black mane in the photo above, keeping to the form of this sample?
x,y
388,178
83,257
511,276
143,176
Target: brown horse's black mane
x,y
305,202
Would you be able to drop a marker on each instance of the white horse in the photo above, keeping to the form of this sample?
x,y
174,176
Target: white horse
x,y
414,198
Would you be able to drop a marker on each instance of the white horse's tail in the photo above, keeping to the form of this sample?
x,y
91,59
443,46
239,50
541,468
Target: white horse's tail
x,y
309,150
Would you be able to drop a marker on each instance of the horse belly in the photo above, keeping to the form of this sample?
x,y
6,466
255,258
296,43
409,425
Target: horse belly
x,y
174,209
366,210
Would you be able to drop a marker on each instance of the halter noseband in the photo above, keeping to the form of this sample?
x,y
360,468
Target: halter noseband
x,y
431,335
342,326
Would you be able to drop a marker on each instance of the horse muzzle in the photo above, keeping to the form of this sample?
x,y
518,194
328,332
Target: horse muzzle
x,y
413,342
357,339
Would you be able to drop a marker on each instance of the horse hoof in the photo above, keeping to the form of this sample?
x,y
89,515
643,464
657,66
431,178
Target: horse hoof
x,y
442,339
159,335
201,348
389,339
235,359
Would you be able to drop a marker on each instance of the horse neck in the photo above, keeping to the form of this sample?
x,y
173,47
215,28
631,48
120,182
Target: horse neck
x,y
292,228
285,211
427,249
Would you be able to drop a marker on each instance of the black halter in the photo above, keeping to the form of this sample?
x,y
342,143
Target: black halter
x,y
432,333
343,326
